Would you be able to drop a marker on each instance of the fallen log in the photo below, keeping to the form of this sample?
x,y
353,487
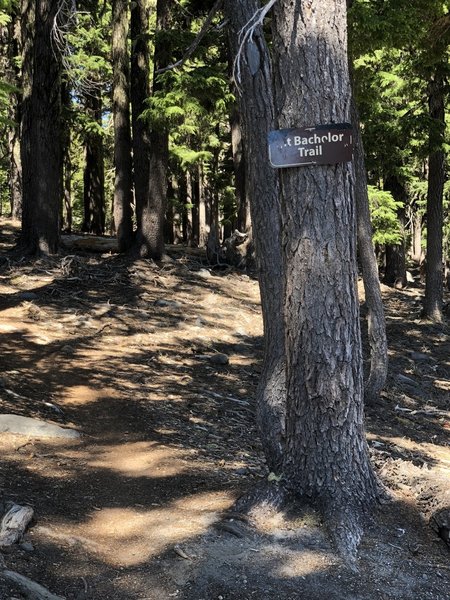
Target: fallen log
x,y
90,243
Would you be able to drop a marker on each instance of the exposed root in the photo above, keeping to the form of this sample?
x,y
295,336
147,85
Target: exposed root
x,y
346,529
267,497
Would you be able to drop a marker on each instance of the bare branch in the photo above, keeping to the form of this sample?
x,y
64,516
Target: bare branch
x,y
246,36
65,22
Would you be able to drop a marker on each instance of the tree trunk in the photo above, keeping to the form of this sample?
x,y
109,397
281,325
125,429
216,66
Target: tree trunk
x,y
395,272
186,220
94,171
257,112
140,92
416,237
41,148
433,302
123,185
376,323
66,206
243,220
326,456
15,169
150,236
201,214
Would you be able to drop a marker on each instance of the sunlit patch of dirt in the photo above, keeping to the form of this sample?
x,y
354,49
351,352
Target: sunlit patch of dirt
x,y
131,536
140,459
82,394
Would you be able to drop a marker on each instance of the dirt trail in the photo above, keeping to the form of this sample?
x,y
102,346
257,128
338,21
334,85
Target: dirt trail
x,y
127,354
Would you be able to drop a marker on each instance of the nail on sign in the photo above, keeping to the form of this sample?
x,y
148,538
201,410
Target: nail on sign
x,y
318,145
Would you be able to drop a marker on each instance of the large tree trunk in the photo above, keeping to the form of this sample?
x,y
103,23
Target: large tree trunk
x,y
433,302
94,171
376,323
326,456
123,185
150,235
41,148
140,92
256,105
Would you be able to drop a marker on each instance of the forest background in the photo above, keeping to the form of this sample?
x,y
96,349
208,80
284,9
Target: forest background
x,y
113,105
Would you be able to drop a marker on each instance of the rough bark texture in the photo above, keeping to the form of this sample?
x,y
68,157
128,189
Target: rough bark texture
x,y
41,148
140,91
123,185
256,105
243,220
326,456
433,302
150,236
94,170
376,323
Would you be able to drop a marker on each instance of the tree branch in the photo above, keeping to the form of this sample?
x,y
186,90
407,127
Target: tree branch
x,y
246,35
195,44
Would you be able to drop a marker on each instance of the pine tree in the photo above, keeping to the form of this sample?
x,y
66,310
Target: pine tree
x,y
41,145
123,186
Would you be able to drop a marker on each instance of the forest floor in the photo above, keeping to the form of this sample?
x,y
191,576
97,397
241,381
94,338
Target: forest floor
x,y
128,354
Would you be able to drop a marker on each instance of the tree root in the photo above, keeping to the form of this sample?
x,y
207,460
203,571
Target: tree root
x,y
270,497
343,520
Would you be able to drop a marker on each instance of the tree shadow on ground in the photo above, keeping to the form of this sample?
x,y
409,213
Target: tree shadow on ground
x,y
169,442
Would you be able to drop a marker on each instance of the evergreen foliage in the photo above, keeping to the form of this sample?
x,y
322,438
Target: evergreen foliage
x,y
384,209
395,46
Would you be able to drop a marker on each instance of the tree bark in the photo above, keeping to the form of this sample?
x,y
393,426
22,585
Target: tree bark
x,y
416,236
434,290
41,147
150,236
123,185
255,100
243,220
395,271
376,323
94,171
326,457
140,92
201,213
66,204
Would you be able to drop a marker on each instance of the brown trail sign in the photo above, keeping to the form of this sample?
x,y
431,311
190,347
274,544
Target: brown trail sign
x,y
317,145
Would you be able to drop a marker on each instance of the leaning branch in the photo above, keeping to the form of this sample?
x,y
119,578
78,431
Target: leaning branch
x,y
246,36
195,44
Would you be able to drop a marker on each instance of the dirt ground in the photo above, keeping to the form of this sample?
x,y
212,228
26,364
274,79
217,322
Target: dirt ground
x,y
130,355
